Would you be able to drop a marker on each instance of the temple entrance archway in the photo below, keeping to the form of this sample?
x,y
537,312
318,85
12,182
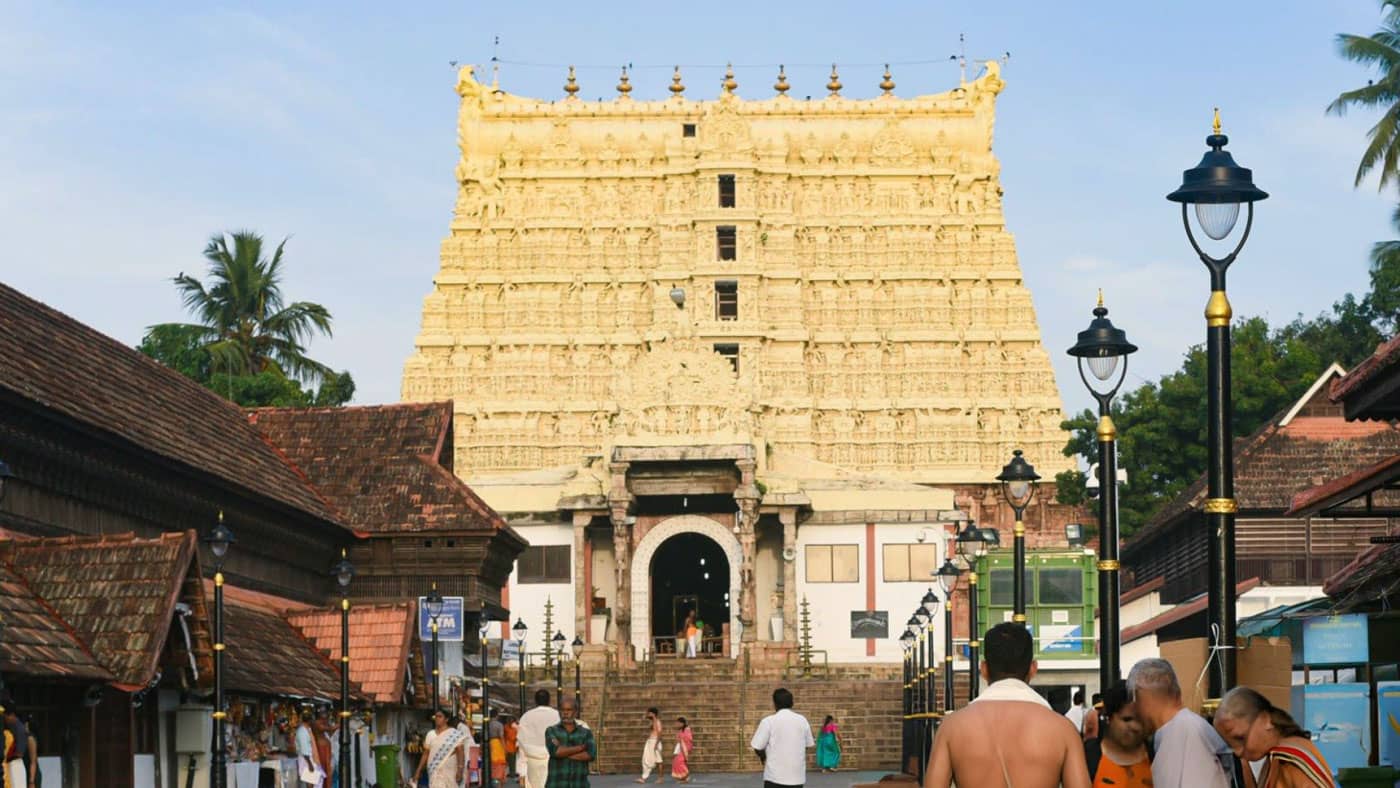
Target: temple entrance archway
x,y
666,569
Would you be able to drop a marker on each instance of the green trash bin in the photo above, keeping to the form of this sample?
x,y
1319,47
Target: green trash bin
x,y
386,765
1368,777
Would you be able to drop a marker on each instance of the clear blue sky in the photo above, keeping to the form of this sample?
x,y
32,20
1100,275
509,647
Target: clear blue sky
x,y
131,131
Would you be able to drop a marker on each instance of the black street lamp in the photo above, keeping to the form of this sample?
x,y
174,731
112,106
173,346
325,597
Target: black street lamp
x,y
219,541
971,546
1100,347
344,572
1018,480
519,630
929,603
577,648
948,581
483,764
1216,187
559,641
433,603
916,685
906,641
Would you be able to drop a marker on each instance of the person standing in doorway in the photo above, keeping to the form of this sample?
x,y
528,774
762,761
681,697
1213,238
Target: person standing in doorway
x,y
829,746
1076,712
689,630
651,751
685,742
571,748
1009,735
532,764
1120,758
1189,753
781,742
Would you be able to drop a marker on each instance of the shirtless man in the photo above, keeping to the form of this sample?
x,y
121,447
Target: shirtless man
x,y
1009,736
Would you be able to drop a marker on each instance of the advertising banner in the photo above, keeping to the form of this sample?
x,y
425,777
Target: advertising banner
x,y
1336,640
1339,716
1388,718
451,622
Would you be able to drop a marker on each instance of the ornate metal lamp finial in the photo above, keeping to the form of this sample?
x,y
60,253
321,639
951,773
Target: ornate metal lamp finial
x,y
676,87
782,84
835,84
571,87
623,87
887,84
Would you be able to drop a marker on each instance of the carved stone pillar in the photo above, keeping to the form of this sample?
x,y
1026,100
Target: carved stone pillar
x,y
583,594
788,517
619,500
747,497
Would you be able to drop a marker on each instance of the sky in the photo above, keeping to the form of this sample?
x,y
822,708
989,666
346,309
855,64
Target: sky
x,y
131,132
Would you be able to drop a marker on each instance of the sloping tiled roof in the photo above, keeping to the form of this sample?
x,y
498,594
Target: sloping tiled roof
x,y
36,642
1373,574
381,466
1367,373
268,656
1179,612
1283,458
63,365
118,593
380,638
1346,488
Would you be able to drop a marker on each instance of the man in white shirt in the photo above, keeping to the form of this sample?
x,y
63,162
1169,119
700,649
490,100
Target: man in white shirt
x,y
782,741
532,758
1076,712
1189,753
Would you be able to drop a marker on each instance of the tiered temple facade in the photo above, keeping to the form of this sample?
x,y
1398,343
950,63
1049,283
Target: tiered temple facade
x,y
789,326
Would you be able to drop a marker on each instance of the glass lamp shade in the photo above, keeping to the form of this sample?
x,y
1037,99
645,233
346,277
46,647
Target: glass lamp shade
x,y
1217,219
1016,477
969,541
921,615
1019,490
433,602
220,539
1103,367
907,639
519,630
914,624
344,571
559,640
929,602
948,576
577,645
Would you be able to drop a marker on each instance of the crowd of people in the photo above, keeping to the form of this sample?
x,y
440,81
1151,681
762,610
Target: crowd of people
x,y
1142,734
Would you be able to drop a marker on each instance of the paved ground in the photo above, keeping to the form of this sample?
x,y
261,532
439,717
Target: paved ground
x,y
815,779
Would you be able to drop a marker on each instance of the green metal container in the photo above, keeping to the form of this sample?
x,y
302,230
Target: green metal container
x,y
386,764
1368,777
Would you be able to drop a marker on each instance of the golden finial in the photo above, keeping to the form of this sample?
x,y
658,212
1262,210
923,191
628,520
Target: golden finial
x,y
1100,296
887,84
571,87
676,87
782,84
729,84
623,88
1216,124
835,84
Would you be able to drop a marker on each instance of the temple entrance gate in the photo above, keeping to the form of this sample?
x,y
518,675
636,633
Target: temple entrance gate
x,y
666,565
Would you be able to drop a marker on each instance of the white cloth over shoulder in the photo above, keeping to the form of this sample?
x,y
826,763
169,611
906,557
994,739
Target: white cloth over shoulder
x,y
785,737
532,758
1190,754
1011,689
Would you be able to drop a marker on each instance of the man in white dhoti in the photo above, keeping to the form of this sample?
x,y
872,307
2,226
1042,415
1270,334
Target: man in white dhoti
x,y
532,757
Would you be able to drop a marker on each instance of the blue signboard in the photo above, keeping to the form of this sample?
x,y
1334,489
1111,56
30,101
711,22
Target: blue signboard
x,y
1388,718
1339,717
451,621
1336,640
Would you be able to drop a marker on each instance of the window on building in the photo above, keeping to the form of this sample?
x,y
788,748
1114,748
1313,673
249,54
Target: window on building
x,y
731,352
833,563
1003,592
906,563
726,300
726,191
726,243
687,129
544,564
1061,586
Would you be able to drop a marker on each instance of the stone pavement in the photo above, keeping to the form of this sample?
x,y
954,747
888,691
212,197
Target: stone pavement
x,y
815,779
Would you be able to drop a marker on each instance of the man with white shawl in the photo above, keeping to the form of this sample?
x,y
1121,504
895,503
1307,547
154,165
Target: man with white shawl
x,y
532,756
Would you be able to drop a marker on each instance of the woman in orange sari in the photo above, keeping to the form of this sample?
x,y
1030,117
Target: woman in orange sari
x,y
1255,729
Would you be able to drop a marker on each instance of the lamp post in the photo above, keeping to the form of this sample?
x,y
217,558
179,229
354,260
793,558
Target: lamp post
x,y
1100,347
948,580
219,541
559,641
483,630
1216,187
577,648
344,572
971,547
520,630
1018,480
433,603
916,627
929,604
906,641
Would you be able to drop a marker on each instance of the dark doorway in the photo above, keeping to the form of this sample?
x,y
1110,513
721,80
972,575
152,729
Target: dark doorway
x,y
688,570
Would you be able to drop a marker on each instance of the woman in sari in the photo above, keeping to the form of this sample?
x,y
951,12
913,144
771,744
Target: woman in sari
x,y
685,741
443,755
829,746
1256,730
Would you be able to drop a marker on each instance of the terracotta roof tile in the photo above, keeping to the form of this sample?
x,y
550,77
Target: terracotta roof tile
x,y
116,592
1345,488
380,466
1373,574
36,642
1387,354
380,639
268,656
63,365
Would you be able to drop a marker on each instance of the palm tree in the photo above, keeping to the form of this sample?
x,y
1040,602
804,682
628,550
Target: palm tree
x,y
244,324
1380,50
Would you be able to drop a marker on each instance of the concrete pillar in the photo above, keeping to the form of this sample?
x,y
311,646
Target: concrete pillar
x,y
619,501
747,496
788,517
583,594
